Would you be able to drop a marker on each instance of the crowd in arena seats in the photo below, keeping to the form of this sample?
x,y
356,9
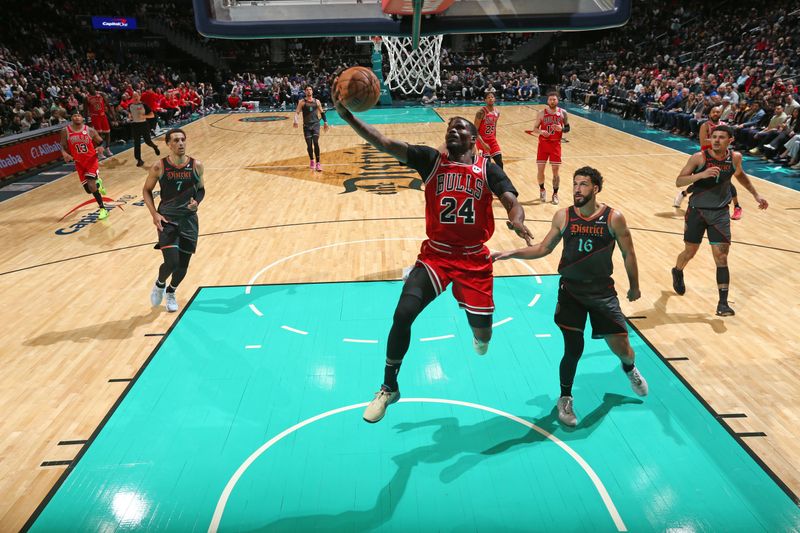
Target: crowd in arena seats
x,y
674,62
669,66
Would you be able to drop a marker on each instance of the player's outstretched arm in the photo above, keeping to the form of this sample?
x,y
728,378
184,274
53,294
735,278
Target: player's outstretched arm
x,y
396,149
695,161
543,248
745,181
516,216
622,234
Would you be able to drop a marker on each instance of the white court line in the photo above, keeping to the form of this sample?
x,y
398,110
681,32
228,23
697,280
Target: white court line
x,y
543,335
213,527
252,347
535,299
255,310
500,323
441,337
299,331
363,341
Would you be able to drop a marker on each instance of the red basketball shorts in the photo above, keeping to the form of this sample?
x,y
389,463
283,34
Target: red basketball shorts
x,y
549,150
86,169
468,269
490,146
100,123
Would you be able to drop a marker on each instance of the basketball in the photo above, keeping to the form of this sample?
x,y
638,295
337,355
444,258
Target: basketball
x,y
359,89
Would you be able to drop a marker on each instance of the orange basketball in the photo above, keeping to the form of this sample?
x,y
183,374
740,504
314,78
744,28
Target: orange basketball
x,y
359,88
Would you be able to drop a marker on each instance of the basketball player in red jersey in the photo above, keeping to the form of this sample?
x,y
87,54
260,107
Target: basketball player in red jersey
x,y
590,231
704,136
82,144
550,123
96,106
459,184
486,118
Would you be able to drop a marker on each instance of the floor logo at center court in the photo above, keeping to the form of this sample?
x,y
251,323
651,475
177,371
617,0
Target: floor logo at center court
x,y
361,168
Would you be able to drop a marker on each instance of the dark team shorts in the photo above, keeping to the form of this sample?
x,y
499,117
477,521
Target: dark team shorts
x,y
489,146
598,299
311,131
180,233
717,222
469,270
549,150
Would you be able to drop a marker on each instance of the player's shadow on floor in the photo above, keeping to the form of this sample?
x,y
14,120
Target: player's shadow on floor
x,y
658,316
450,440
111,330
231,304
677,214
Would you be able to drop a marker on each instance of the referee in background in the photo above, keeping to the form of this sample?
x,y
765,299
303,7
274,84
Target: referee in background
x,y
139,129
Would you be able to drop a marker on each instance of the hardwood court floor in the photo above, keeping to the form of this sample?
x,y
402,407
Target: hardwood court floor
x,y
76,311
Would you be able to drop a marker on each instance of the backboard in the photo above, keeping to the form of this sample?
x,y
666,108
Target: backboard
x,y
270,19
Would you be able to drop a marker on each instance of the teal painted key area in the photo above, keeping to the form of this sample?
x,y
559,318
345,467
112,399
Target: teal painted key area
x,y
251,421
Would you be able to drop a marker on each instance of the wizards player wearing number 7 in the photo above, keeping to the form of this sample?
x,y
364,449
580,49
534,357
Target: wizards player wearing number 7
x,y
709,173
180,178
590,231
459,220
82,144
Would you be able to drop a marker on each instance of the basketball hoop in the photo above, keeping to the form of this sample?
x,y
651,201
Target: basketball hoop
x,y
411,69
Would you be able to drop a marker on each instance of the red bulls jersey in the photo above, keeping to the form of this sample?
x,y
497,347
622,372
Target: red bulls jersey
x,y
458,203
487,128
96,105
549,121
81,146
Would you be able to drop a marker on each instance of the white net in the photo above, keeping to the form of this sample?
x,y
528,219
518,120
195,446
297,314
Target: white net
x,y
411,71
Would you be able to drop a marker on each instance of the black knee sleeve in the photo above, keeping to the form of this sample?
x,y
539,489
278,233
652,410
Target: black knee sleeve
x,y
86,188
479,321
183,266
170,263
733,190
573,349
316,147
310,147
723,276
498,159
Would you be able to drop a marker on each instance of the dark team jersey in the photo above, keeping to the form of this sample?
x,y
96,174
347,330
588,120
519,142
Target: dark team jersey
x,y
310,113
458,196
713,193
588,247
178,186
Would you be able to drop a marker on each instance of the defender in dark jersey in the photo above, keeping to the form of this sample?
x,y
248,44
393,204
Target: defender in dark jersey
x,y
590,231
459,185
180,178
709,173
312,112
